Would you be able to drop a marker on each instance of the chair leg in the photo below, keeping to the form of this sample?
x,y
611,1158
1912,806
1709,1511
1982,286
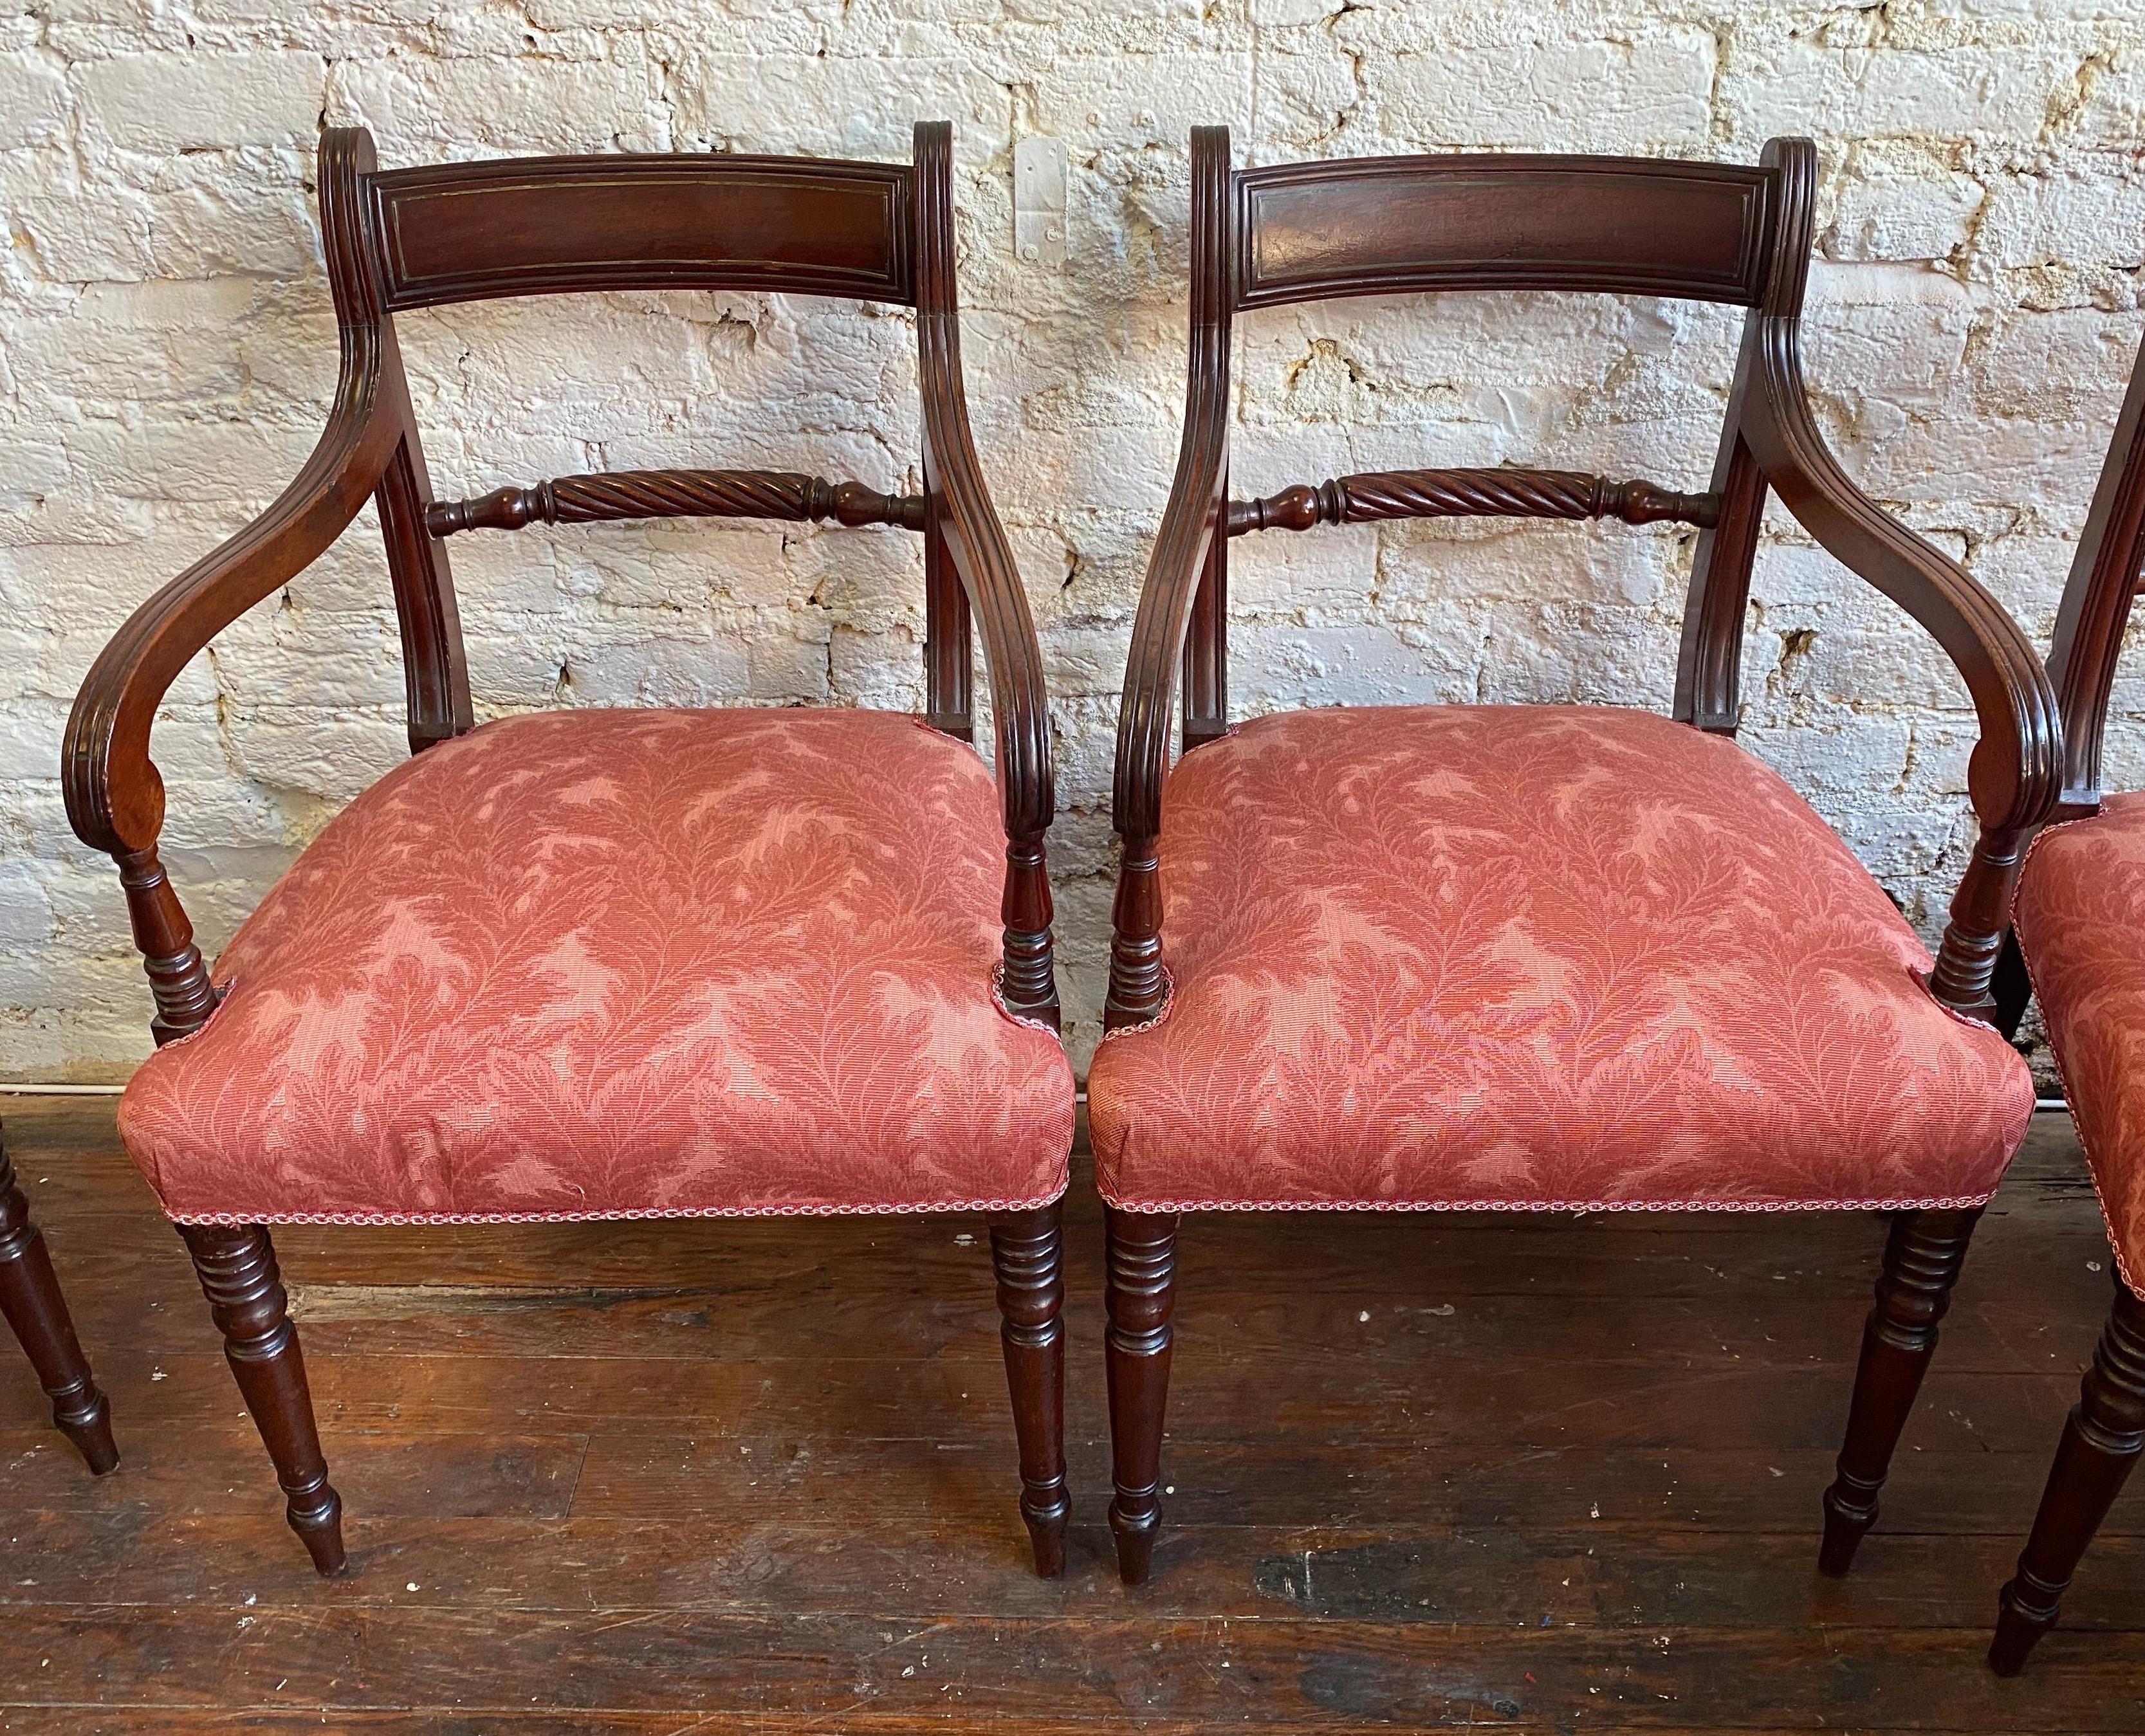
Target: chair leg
x,y
2100,1442
1140,1295
1025,1249
30,1298
237,1272
1922,1261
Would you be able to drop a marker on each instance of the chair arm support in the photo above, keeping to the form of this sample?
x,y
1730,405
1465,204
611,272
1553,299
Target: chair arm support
x,y
976,549
976,544
2014,777
115,797
2015,774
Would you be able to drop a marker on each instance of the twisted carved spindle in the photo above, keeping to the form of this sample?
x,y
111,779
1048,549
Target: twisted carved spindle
x,y
1025,1254
789,494
178,976
1521,494
237,1271
2102,1440
30,1299
1140,1296
1922,1256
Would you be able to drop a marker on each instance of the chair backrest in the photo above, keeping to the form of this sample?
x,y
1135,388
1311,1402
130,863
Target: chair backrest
x,y
415,238
420,237
402,239
2095,611
1714,232
1701,231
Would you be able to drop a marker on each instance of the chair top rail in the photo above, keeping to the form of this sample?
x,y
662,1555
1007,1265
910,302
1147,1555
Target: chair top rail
x,y
545,225
1388,226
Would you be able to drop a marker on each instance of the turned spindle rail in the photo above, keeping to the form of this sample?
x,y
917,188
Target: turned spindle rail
x,y
789,494
1511,493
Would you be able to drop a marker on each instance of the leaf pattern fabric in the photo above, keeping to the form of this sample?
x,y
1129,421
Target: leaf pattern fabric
x,y
624,964
2080,914
1532,957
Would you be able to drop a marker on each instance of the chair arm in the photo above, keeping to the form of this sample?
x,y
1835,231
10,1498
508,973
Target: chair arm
x,y
976,544
115,797
2015,775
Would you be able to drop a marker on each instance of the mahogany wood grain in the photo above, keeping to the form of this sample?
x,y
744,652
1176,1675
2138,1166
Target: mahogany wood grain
x,y
1026,1253
37,1313
1521,494
539,226
1922,1258
421,238
675,493
1140,1255
2102,1440
245,1297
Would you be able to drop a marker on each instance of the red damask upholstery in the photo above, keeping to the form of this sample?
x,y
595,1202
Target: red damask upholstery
x,y
2080,913
1532,957
624,964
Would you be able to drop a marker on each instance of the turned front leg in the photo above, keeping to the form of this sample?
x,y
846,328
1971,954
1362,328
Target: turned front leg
x,y
1141,1298
1025,1253
245,1291
1923,1257
2102,1438
30,1298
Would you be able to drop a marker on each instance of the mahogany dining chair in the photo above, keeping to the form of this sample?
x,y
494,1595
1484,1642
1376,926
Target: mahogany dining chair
x,y
2078,944
1549,958
612,964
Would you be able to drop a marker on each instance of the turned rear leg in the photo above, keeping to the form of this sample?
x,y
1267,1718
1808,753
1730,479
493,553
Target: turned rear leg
x,y
30,1298
1922,1261
237,1272
1025,1250
1142,1259
2100,1442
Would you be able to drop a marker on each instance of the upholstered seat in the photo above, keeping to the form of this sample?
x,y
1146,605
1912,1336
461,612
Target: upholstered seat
x,y
1532,957
621,964
2080,912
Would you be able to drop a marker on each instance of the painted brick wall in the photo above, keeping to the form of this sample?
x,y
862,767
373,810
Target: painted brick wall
x,y
165,348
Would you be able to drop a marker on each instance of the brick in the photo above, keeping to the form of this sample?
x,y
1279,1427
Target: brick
x,y
202,101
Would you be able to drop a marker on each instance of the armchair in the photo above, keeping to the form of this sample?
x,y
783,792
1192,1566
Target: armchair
x,y
616,965
1549,957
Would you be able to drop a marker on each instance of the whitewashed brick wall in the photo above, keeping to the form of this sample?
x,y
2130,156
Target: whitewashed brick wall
x,y
166,347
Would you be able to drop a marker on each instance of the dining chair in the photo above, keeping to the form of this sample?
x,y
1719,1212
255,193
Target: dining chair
x,y
1548,958
612,964
37,1313
2079,945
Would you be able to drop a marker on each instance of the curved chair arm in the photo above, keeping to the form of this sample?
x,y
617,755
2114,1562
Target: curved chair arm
x,y
115,798
2015,769
2015,776
1198,502
976,547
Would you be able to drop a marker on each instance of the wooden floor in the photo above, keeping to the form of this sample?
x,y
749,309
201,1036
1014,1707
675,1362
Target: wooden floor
x,y
1528,1474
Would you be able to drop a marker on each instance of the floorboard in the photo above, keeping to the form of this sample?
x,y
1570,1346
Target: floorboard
x,y
1424,1473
